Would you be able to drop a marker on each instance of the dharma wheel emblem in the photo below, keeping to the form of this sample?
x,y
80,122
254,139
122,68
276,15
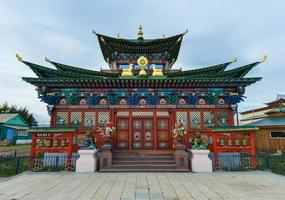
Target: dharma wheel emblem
x,y
142,61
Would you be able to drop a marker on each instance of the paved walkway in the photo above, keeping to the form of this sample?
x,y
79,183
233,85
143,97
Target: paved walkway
x,y
143,186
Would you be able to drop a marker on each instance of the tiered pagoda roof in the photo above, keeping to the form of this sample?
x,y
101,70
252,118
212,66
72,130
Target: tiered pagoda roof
x,y
167,46
66,76
69,76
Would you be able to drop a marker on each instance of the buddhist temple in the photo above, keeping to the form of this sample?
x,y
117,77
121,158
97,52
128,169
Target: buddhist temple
x,y
143,95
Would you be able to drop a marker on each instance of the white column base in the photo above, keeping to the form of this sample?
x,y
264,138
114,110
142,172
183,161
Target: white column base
x,y
200,162
87,161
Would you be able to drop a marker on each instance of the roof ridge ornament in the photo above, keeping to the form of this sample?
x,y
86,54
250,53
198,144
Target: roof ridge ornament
x,y
234,60
263,59
140,33
118,36
19,58
47,60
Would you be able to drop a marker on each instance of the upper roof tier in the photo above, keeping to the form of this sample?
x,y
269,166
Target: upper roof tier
x,y
120,50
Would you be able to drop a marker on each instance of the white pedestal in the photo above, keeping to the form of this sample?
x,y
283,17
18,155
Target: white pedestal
x,y
200,162
87,161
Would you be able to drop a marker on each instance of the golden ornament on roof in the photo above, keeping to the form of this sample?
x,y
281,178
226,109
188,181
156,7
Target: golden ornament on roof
x,y
128,71
156,72
19,58
234,60
263,58
142,61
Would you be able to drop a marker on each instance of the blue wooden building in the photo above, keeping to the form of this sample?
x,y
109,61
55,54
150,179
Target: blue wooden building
x,y
14,128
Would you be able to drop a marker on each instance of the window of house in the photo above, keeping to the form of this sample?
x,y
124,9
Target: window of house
x,y
277,134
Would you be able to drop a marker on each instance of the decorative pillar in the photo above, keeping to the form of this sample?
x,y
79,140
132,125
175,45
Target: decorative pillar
x,y
106,156
181,157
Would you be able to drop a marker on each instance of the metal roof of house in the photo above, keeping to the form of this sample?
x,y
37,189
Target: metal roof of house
x,y
6,117
271,121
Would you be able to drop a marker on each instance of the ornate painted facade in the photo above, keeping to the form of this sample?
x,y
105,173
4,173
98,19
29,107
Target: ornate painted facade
x,y
141,94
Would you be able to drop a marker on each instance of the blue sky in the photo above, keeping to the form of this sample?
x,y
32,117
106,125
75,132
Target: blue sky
x,y
218,31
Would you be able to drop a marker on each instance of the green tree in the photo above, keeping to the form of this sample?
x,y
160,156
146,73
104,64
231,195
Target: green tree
x,y
23,111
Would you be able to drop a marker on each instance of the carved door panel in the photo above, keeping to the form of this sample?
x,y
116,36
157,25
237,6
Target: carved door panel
x,y
122,133
148,134
163,138
142,134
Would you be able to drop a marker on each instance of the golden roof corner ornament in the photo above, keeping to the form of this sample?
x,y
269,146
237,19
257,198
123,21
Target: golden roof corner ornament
x,y
19,58
47,60
156,72
128,71
234,60
263,58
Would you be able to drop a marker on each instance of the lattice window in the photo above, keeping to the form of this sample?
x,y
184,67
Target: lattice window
x,y
123,114
75,119
61,119
162,114
181,117
89,120
195,119
223,118
141,114
209,119
103,117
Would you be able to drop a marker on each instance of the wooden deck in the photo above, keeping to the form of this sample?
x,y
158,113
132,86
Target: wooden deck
x,y
144,186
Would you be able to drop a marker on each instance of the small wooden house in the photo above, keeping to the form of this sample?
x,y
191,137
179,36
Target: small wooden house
x,y
271,134
14,128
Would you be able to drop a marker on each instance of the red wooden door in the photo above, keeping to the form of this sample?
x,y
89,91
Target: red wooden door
x,y
163,136
122,134
142,134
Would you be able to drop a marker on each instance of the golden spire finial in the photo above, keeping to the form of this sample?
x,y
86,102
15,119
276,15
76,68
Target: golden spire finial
x,y
263,58
19,58
234,60
140,32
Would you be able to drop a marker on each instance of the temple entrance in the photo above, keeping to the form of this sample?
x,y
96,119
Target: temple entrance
x,y
142,134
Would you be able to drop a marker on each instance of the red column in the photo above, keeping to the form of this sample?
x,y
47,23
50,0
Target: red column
x,y
70,144
33,146
252,148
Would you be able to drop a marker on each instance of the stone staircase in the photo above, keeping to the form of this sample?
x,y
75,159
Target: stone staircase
x,y
143,162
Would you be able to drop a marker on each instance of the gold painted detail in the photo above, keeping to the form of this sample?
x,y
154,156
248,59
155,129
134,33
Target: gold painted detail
x,y
128,71
142,61
156,72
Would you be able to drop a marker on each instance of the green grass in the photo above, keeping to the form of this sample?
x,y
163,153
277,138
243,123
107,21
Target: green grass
x,y
8,166
15,147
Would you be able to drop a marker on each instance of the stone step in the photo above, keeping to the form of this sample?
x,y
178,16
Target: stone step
x,y
141,162
145,166
143,158
144,170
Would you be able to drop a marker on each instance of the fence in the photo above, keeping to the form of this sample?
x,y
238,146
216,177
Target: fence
x,y
244,161
11,165
14,164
